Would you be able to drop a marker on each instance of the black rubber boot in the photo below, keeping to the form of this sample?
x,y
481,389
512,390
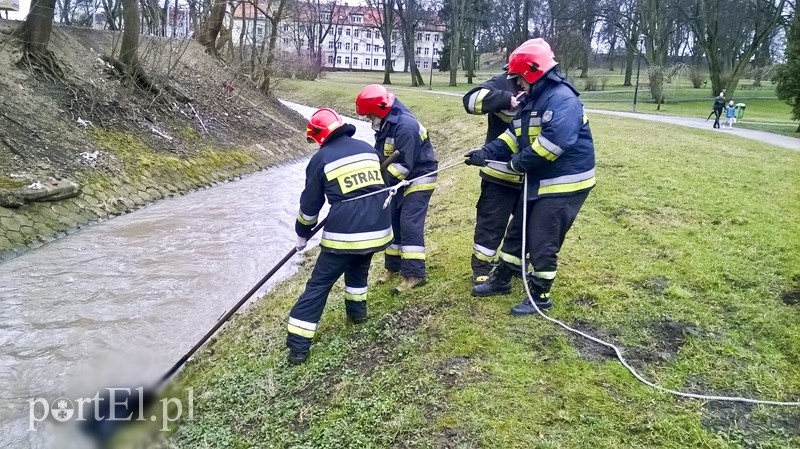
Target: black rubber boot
x,y
296,358
542,300
499,282
357,319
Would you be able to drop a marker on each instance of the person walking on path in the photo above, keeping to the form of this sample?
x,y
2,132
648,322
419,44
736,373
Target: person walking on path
x,y
719,106
343,168
552,144
396,129
730,115
500,187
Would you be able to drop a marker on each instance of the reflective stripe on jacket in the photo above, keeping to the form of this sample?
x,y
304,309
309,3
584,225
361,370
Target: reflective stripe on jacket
x,y
345,168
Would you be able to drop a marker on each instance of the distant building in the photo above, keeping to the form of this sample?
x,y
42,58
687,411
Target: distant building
x,y
352,39
9,5
178,23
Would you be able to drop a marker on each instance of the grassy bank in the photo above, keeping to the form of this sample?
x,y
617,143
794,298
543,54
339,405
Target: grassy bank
x,y
686,253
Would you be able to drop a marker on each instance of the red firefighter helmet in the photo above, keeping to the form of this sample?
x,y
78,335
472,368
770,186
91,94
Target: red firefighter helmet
x,y
374,99
321,124
531,60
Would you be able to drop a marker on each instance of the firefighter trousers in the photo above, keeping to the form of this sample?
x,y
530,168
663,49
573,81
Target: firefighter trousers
x,y
406,254
306,313
495,205
549,219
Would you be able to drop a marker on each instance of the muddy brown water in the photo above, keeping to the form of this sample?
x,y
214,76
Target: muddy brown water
x,y
121,301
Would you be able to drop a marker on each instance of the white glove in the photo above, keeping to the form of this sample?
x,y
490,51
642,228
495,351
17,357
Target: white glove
x,y
300,243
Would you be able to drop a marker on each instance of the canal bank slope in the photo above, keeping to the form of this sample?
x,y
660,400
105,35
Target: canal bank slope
x,y
691,270
89,147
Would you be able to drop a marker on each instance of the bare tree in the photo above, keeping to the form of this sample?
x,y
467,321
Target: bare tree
x,y
210,29
382,13
410,14
35,35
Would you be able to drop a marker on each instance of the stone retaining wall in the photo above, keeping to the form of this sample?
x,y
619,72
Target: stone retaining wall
x,y
101,197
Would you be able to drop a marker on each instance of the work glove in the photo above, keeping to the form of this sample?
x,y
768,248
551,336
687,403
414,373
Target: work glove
x,y
300,244
476,157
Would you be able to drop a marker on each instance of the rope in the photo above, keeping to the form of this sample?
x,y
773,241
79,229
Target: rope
x,y
393,189
617,351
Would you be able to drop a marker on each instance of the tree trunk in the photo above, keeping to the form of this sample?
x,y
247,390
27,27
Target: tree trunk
x,y
274,21
629,56
130,36
208,35
35,31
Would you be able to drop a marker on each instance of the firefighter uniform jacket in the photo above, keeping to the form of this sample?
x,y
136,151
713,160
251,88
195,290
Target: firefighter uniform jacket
x,y
402,132
345,168
549,139
493,98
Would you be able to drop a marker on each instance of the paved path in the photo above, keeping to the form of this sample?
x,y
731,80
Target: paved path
x,y
780,140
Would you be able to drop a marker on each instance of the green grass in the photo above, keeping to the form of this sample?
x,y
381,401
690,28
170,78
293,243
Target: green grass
x,y
686,253
764,111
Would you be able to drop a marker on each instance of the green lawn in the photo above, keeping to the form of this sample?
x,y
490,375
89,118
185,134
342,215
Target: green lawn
x,y
686,253
763,112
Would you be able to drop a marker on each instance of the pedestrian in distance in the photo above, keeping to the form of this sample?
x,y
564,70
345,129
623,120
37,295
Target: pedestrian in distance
x,y
343,168
549,140
730,115
718,108
497,98
396,129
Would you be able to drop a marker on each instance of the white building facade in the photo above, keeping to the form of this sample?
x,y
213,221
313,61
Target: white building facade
x,y
352,39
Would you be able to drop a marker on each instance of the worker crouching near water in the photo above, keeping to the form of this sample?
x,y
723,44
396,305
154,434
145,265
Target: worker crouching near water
x,y
343,168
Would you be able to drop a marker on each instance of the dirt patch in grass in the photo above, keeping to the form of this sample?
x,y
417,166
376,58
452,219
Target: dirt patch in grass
x,y
791,298
454,437
667,337
590,350
737,420
655,285
586,301
391,330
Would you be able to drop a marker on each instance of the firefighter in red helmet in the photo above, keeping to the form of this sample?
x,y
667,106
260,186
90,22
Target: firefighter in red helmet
x,y
549,140
343,168
396,129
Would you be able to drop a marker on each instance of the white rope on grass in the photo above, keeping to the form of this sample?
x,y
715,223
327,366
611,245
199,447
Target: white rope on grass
x,y
615,348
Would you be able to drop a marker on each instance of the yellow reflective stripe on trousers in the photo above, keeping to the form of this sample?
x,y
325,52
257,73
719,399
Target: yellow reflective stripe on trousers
x,y
421,184
510,259
302,328
549,275
568,183
480,256
412,252
355,293
393,250
300,331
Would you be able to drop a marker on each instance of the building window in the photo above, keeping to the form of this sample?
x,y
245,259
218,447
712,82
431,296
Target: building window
x,y
427,50
356,19
302,43
286,28
375,61
338,60
355,46
326,16
347,32
419,36
427,37
355,60
383,62
347,60
339,31
395,36
330,60
367,61
356,32
394,48
369,34
330,45
347,46
417,64
393,63
436,39
339,45
285,41
419,50
435,65
302,29
369,48
425,65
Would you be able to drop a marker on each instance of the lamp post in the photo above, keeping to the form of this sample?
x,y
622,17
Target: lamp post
x,y
638,68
